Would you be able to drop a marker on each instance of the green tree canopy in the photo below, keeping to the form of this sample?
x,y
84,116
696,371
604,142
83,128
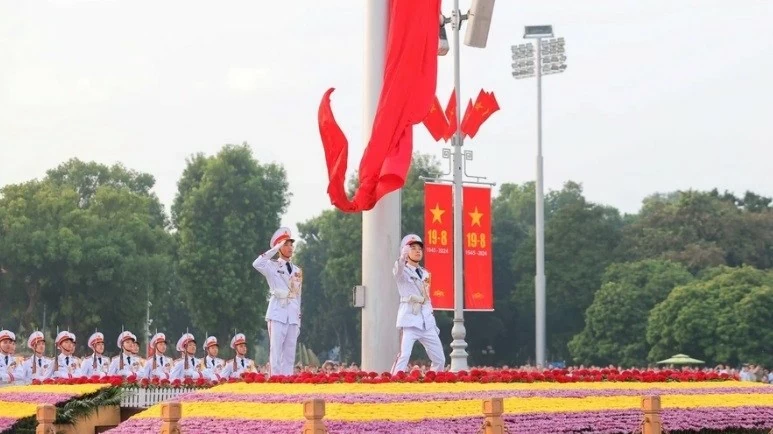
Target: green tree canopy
x,y
616,321
721,318
702,229
89,243
226,209
580,239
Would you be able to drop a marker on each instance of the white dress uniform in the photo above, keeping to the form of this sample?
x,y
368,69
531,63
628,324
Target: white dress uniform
x,y
212,366
415,317
235,367
188,366
125,364
10,365
38,367
285,281
159,365
97,364
65,365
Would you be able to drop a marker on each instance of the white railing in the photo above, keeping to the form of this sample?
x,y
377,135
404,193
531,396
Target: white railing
x,y
144,398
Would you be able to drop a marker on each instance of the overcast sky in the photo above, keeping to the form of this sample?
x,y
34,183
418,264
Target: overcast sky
x,y
659,95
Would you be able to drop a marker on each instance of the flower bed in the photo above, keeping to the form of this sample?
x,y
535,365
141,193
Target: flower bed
x,y
473,376
542,407
20,402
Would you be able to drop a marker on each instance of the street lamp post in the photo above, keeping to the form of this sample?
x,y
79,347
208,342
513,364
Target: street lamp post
x,y
550,59
479,17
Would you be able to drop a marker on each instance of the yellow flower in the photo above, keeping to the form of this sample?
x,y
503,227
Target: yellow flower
x,y
74,389
17,410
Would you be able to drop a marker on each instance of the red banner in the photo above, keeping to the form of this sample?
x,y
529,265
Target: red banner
x,y
476,218
439,243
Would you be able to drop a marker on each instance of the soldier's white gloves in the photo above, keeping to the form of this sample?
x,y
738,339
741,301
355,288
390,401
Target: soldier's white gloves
x,y
404,252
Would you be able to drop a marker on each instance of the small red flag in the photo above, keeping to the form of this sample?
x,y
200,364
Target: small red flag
x,y
468,114
436,121
451,116
485,106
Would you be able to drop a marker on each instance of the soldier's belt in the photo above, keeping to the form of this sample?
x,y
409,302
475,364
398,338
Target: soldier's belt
x,y
282,295
416,302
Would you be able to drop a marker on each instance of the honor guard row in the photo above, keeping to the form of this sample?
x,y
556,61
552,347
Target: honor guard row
x,y
283,318
18,370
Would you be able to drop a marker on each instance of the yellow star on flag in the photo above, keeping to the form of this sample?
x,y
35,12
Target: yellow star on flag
x,y
437,213
476,215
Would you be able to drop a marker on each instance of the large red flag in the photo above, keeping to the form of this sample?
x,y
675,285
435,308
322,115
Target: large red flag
x,y
439,243
410,77
436,121
478,281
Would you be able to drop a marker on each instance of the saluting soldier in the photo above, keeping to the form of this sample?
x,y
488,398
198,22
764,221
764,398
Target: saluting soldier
x,y
212,365
38,366
240,364
66,365
160,366
415,317
284,305
10,365
97,364
186,366
126,363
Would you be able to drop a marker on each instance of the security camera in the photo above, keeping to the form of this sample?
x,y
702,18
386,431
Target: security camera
x,y
442,47
479,22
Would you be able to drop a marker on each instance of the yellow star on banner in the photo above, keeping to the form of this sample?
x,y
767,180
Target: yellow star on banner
x,y
476,215
437,213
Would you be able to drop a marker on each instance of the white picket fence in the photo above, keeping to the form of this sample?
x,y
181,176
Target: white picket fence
x,y
144,398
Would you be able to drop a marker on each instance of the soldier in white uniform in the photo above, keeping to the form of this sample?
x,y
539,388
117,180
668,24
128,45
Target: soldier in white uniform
x,y
212,365
38,366
284,305
97,364
187,366
160,365
126,363
10,365
66,365
240,364
415,318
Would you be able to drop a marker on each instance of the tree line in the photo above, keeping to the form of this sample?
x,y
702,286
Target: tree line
x,y
89,245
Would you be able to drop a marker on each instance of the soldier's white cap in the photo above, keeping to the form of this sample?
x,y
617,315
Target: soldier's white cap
x,y
7,334
211,340
184,340
411,239
238,339
281,235
95,339
63,336
125,336
158,337
34,338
